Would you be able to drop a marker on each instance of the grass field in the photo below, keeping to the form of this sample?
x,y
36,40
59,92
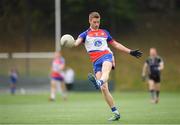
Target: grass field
x,y
89,108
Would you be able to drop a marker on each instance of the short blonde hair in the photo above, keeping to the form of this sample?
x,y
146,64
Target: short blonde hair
x,y
94,15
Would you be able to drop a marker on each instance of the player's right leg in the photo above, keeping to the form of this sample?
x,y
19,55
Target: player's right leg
x,y
13,88
152,90
63,90
53,90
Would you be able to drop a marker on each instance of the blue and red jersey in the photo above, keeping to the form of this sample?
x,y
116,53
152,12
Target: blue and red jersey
x,y
57,72
96,43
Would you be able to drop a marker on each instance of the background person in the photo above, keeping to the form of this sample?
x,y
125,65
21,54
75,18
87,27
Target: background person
x,y
69,78
13,76
152,67
57,76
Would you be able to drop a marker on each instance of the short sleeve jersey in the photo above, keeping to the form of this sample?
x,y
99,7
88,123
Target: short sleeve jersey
x,y
56,71
96,42
153,64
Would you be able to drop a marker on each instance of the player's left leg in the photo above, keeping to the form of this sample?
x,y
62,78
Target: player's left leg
x,y
53,90
13,88
13,85
157,88
152,90
106,68
110,101
105,91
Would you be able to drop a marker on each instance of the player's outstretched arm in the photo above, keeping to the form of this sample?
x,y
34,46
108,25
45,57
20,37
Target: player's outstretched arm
x,y
78,41
136,53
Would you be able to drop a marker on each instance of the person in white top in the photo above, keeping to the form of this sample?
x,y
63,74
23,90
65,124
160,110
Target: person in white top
x,y
69,78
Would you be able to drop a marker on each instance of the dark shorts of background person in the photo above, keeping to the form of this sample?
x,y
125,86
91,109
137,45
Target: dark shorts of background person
x,y
69,87
156,78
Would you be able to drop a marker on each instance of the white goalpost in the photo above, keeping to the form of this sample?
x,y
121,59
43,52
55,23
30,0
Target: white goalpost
x,y
57,24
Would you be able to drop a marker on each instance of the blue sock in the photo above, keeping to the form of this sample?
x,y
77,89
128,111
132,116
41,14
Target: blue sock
x,y
114,110
101,82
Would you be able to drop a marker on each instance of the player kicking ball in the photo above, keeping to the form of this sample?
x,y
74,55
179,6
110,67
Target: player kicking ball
x,y
96,43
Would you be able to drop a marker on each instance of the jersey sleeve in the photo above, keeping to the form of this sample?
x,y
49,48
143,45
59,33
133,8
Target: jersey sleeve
x,y
62,60
83,36
109,37
160,60
147,61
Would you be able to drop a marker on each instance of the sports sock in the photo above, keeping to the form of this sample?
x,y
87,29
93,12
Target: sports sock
x,y
114,110
52,95
13,90
100,82
152,94
157,93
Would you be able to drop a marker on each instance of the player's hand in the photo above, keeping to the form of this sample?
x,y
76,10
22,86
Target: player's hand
x,y
136,53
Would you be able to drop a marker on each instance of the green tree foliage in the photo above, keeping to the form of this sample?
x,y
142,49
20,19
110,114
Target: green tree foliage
x,y
14,14
114,13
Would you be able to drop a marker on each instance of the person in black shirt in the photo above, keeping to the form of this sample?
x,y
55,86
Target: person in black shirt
x,y
152,67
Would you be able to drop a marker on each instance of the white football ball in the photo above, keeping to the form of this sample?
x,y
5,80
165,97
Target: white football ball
x,y
67,40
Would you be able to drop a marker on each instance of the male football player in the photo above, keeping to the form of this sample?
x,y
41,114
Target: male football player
x,y
96,43
57,76
153,66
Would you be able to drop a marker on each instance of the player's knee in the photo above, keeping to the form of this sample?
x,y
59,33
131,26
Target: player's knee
x,y
53,85
104,88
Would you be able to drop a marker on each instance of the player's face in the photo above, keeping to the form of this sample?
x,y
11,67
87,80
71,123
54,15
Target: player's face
x,y
94,23
153,52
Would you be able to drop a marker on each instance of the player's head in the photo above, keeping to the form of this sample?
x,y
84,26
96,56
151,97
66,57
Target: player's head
x,y
57,54
94,20
153,52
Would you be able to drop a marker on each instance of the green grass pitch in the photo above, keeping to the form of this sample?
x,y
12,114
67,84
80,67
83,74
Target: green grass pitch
x,y
89,108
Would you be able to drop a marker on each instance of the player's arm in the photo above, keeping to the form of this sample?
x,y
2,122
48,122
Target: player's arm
x,y
144,69
80,38
78,41
161,66
62,66
118,46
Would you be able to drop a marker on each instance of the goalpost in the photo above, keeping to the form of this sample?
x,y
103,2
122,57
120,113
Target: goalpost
x,y
57,24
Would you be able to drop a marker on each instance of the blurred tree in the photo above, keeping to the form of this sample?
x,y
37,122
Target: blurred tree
x,y
11,15
116,15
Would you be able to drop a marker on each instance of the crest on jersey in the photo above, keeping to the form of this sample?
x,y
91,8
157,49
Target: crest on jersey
x,y
97,43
